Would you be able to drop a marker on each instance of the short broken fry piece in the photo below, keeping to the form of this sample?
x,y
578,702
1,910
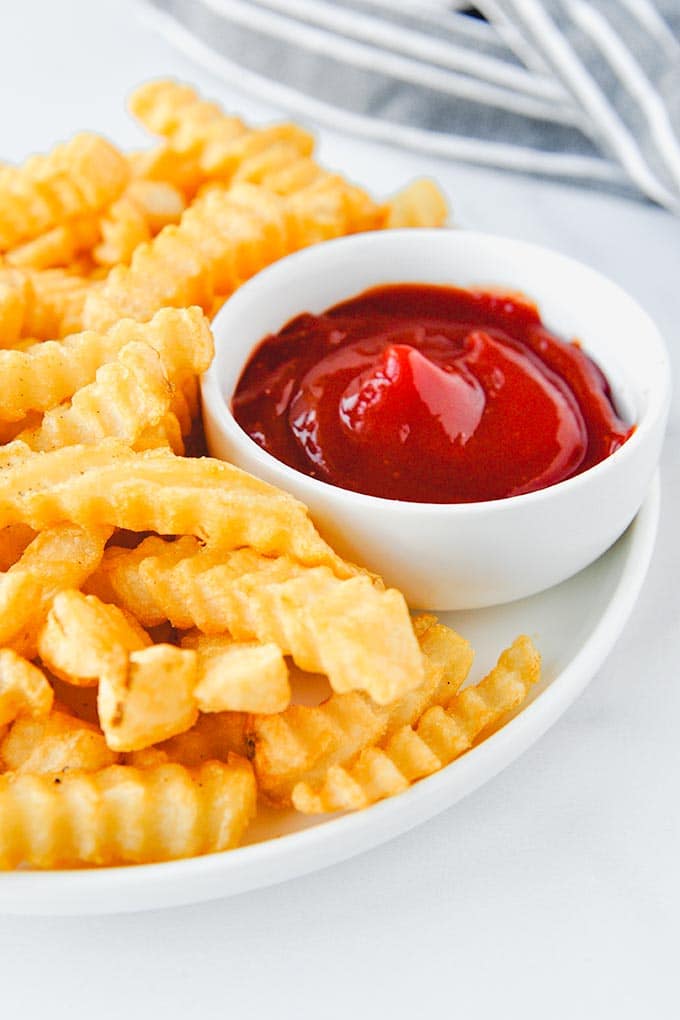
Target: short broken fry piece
x,y
82,635
148,697
239,676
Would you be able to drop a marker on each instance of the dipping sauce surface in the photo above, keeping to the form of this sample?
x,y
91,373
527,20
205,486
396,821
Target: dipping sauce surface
x,y
428,394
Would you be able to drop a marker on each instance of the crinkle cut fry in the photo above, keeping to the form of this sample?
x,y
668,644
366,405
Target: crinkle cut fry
x,y
57,247
185,345
144,580
202,142
59,557
49,373
124,815
118,579
439,736
82,634
122,229
142,210
222,239
24,689
110,485
128,397
327,624
80,176
301,743
41,304
205,144
54,743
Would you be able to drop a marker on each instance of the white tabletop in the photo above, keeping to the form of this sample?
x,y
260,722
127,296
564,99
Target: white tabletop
x,y
553,891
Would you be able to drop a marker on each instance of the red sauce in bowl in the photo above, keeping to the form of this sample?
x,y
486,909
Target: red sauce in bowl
x,y
428,394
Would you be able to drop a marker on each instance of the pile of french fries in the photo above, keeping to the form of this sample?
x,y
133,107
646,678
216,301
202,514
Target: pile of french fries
x,y
155,606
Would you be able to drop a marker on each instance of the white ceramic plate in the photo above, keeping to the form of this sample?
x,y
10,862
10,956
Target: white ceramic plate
x,y
575,625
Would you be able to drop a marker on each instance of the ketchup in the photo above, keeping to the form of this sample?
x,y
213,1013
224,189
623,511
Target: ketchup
x,y
428,394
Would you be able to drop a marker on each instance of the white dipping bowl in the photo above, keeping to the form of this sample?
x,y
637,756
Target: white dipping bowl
x,y
459,555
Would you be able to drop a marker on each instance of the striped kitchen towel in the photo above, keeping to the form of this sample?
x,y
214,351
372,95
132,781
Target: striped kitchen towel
x,y
580,89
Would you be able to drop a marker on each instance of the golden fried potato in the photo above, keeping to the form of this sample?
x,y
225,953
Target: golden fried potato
x,y
148,697
294,176
203,143
78,177
144,209
222,239
42,304
20,591
186,403
160,202
12,309
57,247
24,689
184,343
110,485
123,815
279,161
57,558
49,373
118,579
302,743
276,601
13,542
224,161
330,207
128,397
13,453
84,637
212,737
153,694
326,624
54,743
439,736
419,204
239,676
123,229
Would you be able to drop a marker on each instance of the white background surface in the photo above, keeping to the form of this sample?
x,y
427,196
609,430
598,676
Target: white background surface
x,y
554,891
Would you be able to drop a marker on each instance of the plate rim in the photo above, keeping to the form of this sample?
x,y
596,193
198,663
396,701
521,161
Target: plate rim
x,y
258,865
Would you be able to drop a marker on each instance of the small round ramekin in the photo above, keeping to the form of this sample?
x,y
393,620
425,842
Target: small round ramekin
x,y
459,555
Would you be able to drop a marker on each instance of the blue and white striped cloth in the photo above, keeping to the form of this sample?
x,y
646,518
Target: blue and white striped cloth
x,y
580,89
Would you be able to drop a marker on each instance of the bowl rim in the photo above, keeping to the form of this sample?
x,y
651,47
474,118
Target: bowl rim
x,y
654,413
